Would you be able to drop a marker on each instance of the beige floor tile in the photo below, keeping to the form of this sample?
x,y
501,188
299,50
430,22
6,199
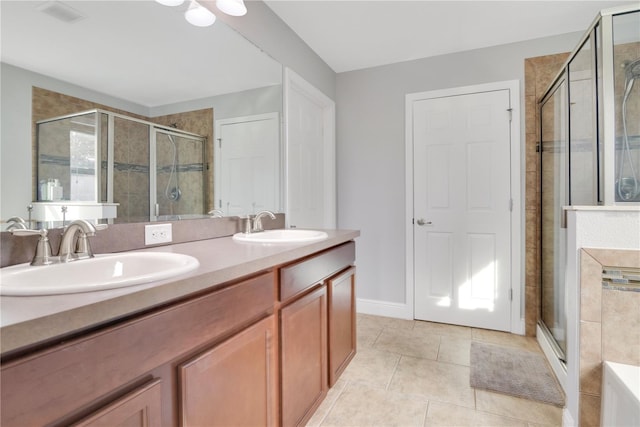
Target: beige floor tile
x,y
455,350
367,335
505,338
408,343
446,414
327,403
443,329
384,322
372,366
516,407
361,405
439,381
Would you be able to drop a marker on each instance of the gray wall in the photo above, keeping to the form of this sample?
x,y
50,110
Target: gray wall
x,y
246,103
371,146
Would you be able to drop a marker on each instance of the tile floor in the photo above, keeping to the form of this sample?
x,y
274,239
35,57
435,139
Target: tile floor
x,y
414,373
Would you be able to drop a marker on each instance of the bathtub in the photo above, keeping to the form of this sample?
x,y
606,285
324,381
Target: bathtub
x,y
620,395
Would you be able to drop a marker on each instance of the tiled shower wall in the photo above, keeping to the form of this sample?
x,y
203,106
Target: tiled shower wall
x,y
539,72
609,324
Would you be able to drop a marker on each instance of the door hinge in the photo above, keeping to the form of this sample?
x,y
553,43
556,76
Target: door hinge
x,y
510,294
510,205
510,110
538,149
219,142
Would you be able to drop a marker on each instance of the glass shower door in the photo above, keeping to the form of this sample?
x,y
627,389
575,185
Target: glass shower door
x,y
180,177
554,195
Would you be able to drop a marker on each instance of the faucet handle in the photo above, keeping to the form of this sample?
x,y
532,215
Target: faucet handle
x,y
43,248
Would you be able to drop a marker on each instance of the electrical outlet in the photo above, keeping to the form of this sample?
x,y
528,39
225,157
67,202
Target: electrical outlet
x,y
157,233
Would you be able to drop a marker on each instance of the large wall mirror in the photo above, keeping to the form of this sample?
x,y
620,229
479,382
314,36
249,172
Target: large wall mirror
x,y
125,102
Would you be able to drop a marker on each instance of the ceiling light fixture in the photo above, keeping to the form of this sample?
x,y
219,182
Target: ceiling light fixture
x,y
170,2
199,15
232,7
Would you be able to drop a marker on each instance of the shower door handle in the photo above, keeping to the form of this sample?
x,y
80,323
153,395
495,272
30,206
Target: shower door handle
x,y
422,222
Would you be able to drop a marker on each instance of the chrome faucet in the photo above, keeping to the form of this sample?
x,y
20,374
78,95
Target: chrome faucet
x,y
257,220
16,223
82,250
216,213
253,223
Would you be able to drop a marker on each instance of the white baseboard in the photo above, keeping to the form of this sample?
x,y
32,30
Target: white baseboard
x,y
518,327
567,419
383,308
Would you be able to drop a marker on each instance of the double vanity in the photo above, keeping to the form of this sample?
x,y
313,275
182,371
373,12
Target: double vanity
x,y
255,334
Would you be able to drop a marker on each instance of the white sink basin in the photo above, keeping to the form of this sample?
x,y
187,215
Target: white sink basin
x,y
290,235
107,271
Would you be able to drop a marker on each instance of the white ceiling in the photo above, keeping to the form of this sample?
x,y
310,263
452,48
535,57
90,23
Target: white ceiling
x,y
350,35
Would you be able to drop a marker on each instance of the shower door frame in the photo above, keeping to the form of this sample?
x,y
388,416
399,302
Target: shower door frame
x,y
563,78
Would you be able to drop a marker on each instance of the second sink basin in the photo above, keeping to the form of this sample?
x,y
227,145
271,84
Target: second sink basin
x,y
107,271
289,235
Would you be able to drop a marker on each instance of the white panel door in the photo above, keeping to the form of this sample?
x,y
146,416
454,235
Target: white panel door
x,y
247,166
310,162
462,216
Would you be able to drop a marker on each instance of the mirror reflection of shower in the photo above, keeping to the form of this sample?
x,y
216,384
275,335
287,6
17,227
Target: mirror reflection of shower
x,y
628,185
179,174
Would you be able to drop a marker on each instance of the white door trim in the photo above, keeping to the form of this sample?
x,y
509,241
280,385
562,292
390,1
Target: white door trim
x,y
517,280
216,150
292,81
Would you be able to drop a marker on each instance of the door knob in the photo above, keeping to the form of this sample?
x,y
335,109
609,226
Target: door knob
x,y
422,221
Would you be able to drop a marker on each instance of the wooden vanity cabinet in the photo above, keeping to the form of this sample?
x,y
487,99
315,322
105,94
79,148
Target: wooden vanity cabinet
x,y
88,378
234,383
303,356
140,408
342,322
306,321
260,351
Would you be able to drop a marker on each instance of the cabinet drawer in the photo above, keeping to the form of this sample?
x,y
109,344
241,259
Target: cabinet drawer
x,y
84,370
298,277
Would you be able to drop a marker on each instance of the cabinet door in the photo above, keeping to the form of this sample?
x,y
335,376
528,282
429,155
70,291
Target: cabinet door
x,y
234,383
141,408
342,322
303,337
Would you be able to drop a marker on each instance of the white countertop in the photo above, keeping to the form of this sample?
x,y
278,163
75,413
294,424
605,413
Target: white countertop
x,y
25,321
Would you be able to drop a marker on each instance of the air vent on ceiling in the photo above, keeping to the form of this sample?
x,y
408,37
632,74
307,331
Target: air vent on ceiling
x,y
61,11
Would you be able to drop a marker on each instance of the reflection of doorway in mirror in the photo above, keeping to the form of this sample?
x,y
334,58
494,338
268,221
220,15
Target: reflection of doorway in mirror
x,y
247,164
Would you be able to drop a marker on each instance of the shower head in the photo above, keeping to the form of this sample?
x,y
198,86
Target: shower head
x,y
632,70
631,73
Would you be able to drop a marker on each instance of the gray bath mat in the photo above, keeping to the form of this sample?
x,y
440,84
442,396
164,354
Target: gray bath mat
x,y
513,371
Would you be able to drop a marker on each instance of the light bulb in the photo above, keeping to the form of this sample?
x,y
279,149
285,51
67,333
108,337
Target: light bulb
x,y
232,7
170,2
199,15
